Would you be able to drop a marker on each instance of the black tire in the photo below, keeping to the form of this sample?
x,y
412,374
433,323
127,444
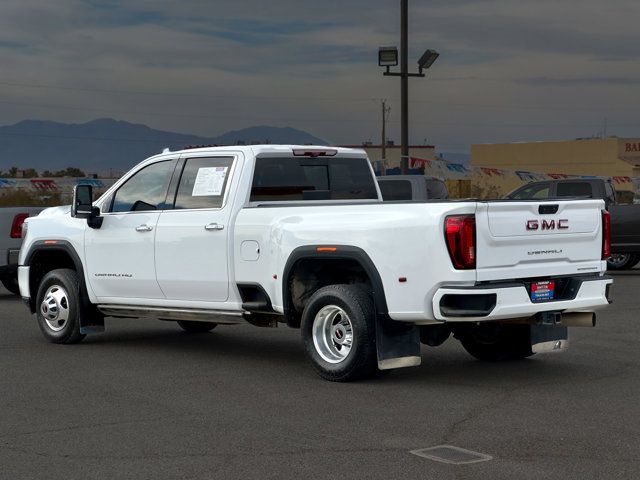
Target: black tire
x,y
495,342
62,290
634,262
349,318
196,327
11,284
622,261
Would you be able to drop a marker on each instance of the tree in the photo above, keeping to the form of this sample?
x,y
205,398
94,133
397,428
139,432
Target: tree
x,y
70,172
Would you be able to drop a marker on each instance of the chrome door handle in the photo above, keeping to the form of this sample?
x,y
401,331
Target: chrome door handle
x,y
143,228
214,226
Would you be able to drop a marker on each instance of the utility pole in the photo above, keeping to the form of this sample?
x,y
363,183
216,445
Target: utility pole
x,y
385,112
404,86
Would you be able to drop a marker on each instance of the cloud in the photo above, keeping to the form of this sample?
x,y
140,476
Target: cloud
x,y
207,67
588,81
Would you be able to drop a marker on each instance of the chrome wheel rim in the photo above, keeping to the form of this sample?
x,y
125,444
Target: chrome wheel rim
x,y
55,308
618,259
332,334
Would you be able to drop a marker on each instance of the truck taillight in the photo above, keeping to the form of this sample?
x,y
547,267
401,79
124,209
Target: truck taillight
x,y
460,234
16,226
606,234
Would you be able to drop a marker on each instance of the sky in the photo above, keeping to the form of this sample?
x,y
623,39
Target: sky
x,y
507,71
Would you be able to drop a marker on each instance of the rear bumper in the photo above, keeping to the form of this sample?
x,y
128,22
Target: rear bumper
x,y
487,303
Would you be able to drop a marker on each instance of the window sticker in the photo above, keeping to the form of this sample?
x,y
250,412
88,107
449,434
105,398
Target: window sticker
x,y
209,181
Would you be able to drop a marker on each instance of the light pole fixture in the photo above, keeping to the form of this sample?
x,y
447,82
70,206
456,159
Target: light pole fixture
x,y
427,59
388,57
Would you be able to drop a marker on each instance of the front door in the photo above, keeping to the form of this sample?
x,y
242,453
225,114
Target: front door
x,y
119,256
192,239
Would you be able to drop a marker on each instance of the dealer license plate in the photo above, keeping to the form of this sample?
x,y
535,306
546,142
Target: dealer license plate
x,y
543,291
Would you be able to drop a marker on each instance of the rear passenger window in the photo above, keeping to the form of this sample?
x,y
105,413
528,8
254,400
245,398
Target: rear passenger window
x,y
395,189
573,189
203,182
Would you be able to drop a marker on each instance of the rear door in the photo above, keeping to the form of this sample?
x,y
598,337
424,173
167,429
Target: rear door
x,y
523,239
191,246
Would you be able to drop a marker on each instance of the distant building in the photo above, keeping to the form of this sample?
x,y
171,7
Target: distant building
x,y
374,152
592,156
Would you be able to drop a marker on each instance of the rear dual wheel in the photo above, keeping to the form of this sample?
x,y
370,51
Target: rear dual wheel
x,y
496,342
338,330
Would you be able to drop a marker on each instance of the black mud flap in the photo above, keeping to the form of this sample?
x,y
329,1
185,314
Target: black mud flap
x,y
549,338
398,345
92,321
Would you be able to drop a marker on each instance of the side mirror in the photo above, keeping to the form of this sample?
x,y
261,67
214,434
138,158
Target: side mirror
x,y
82,201
82,206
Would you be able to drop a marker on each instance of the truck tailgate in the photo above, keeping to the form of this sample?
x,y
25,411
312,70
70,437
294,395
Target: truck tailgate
x,y
526,239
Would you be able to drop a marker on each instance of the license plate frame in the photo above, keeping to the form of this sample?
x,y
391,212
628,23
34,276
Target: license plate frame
x,y
542,291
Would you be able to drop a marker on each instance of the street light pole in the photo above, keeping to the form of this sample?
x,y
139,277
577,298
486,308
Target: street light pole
x,y
388,57
404,87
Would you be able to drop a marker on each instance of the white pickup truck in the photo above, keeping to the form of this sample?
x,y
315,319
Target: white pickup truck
x,y
300,235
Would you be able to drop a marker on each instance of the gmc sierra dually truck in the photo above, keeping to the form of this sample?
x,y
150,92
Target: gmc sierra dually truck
x,y
299,235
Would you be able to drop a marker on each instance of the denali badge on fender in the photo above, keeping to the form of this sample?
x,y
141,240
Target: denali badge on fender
x,y
561,224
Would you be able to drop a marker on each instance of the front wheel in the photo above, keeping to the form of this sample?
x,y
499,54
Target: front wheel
x,y
338,330
495,342
58,306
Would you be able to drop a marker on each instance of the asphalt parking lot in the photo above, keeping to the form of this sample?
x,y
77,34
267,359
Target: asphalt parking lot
x,y
146,401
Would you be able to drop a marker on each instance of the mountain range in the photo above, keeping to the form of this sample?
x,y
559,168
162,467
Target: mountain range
x,y
107,144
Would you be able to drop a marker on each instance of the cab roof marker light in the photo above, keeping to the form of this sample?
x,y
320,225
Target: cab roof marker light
x,y
314,152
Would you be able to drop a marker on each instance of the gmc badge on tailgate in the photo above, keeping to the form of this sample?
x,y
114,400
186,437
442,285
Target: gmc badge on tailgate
x,y
561,224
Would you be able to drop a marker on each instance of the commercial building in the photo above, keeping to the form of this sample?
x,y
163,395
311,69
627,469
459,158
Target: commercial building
x,y
592,156
618,158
